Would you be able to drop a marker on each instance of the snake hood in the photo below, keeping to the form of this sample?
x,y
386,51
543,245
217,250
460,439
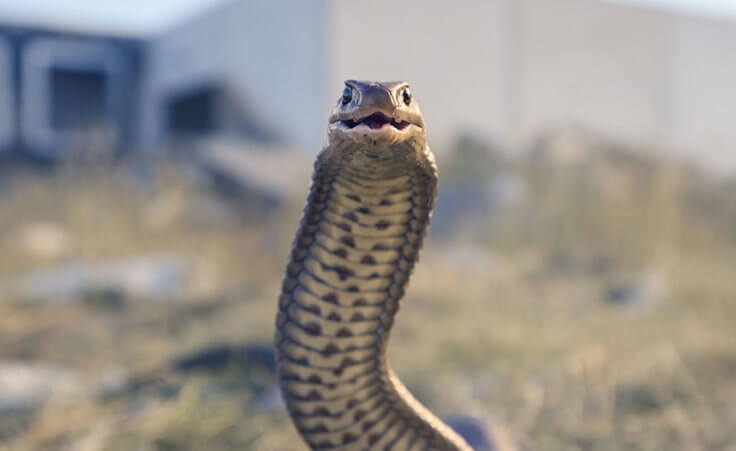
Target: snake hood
x,y
367,212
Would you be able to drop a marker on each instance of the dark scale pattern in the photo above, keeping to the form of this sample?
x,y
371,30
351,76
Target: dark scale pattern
x,y
351,259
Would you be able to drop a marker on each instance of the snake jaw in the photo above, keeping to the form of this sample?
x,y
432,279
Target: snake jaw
x,y
374,127
375,121
365,134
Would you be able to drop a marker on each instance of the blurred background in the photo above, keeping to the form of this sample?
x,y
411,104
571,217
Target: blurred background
x,y
576,291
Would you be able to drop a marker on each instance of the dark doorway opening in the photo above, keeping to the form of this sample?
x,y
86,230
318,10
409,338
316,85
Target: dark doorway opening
x,y
78,99
194,112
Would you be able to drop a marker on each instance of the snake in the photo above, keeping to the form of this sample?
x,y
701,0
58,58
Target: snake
x,y
368,209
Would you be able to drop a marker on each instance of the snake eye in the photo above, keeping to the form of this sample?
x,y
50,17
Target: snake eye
x,y
347,95
406,96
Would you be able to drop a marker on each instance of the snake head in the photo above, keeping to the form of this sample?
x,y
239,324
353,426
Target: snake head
x,y
376,112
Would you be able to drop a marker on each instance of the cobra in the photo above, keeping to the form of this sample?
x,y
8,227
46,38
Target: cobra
x,y
367,212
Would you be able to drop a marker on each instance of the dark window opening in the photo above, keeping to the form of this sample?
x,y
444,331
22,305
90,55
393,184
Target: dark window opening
x,y
78,98
194,112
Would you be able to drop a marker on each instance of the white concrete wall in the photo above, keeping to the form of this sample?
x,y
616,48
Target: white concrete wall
x,y
271,52
506,69
636,74
596,64
703,90
511,68
453,54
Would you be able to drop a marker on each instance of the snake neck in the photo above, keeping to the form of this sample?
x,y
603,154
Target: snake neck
x,y
365,219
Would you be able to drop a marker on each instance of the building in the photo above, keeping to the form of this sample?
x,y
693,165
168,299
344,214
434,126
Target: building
x,y
68,87
58,88
510,69
506,69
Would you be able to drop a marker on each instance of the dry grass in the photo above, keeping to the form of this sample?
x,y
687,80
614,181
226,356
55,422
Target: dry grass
x,y
517,324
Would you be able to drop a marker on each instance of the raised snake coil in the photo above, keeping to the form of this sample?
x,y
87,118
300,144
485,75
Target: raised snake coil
x,y
357,243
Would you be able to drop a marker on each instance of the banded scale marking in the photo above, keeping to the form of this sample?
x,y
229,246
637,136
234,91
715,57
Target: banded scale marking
x,y
366,215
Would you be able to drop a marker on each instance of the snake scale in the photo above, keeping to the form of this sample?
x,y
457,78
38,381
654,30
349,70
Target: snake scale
x,y
368,209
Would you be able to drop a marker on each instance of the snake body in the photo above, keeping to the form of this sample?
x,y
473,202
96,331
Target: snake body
x,y
367,212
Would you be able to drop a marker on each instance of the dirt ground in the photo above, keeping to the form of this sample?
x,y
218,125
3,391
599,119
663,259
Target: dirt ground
x,y
593,309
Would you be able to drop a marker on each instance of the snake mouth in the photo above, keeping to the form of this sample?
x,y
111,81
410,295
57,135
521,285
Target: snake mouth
x,y
375,121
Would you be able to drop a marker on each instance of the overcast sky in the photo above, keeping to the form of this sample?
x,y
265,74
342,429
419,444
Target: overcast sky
x,y
126,17
151,16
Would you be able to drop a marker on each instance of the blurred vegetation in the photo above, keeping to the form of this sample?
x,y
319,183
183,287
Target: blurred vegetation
x,y
591,309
